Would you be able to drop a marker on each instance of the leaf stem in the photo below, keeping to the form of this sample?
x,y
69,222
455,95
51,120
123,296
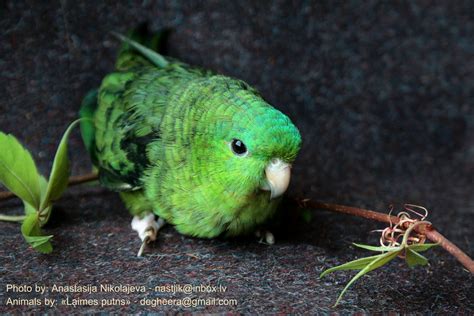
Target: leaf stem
x,y
12,218
72,181
428,230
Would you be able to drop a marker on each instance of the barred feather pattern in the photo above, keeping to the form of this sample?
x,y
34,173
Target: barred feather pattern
x,y
163,139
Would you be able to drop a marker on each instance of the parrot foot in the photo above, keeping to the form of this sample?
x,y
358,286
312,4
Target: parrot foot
x,y
147,229
265,236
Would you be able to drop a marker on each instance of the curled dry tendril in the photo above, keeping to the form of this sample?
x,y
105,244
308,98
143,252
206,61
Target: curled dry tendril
x,y
403,232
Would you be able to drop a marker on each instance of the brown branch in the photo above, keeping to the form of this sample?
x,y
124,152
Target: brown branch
x,y
435,236
429,231
6,195
355,211
83,179
72,181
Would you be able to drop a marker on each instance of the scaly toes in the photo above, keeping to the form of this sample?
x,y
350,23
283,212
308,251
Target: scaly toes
x,y
147,229
265,236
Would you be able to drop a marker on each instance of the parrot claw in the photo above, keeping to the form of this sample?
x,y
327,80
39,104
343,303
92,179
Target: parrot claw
x,y
147,229
265,236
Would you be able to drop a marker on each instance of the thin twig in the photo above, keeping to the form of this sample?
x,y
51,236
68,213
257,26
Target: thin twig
x,y
355,211
6,196
429,231
72,181
435,236
83,178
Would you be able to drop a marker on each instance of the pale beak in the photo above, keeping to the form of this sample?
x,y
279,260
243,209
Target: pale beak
x,y
278,177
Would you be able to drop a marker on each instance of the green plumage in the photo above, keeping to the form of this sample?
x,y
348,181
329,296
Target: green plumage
x,y
160,133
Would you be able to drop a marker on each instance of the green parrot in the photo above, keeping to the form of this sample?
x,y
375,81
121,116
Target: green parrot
x,y
202,151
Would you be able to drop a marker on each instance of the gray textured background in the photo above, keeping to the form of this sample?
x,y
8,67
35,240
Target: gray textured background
x,y
382,93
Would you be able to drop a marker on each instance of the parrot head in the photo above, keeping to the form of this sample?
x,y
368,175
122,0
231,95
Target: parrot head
x,y
250,145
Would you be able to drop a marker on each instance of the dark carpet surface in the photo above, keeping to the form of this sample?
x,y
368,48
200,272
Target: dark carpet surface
x,y
382,93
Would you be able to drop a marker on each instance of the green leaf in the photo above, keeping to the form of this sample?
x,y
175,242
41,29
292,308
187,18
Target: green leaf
x,y
29,209
41,242
413,258
376,248
59,176
18,170
88,108
32,233
376,263
45,213
357,264
421,248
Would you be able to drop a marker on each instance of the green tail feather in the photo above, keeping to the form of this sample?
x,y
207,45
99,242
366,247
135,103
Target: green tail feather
x,y
141,47
143,36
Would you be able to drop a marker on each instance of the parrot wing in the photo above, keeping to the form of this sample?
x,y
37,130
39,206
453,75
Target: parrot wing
x,y
123,117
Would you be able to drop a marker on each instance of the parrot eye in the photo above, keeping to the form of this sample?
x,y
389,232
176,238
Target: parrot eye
x,y
238,147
